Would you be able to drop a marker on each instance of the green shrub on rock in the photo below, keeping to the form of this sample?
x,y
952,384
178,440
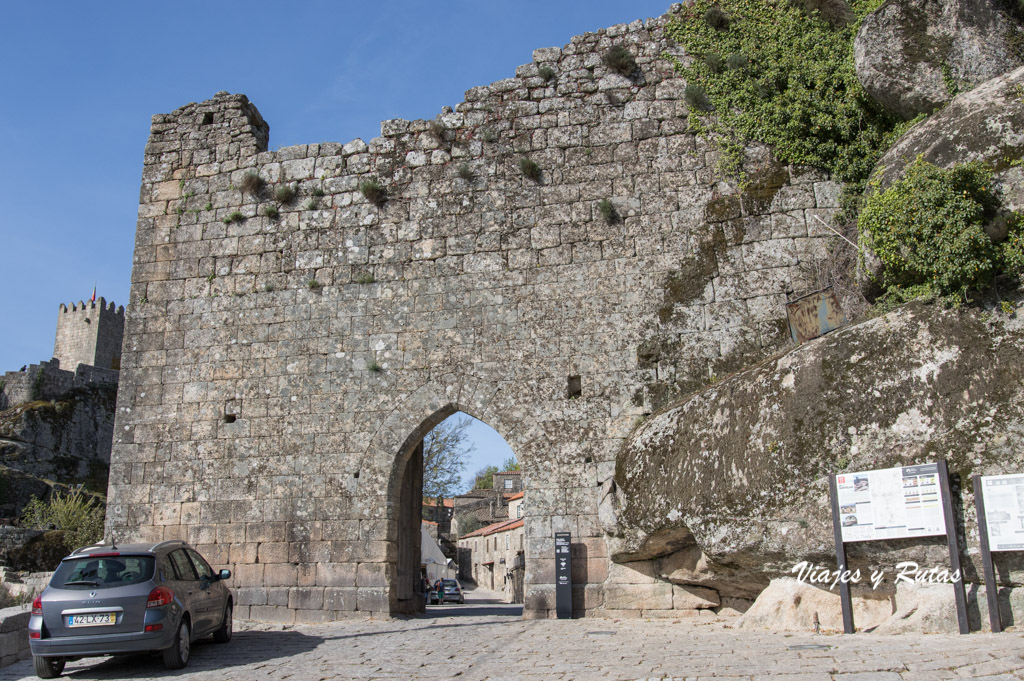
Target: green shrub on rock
x,y
78,514
928,230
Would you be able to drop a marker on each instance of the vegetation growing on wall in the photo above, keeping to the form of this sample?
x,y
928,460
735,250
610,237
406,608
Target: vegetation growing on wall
x,y
928,229
782,74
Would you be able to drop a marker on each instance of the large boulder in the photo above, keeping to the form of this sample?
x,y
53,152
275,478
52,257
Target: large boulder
x,y
790,605
913,56
740,469
985,124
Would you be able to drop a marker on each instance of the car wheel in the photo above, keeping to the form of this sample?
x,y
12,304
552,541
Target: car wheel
x,y
48,667
176,656
223,635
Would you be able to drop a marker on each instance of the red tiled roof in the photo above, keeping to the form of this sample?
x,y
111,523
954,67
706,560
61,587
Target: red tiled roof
x,y
513,497
508,473
448,503
496,527
428,522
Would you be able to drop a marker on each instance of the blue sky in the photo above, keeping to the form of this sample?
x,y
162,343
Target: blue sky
x,y
81,81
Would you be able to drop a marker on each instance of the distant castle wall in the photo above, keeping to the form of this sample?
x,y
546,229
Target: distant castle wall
x,y
47,381
89,333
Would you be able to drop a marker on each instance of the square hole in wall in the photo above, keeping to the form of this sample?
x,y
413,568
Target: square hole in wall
x,y
208,118
575,387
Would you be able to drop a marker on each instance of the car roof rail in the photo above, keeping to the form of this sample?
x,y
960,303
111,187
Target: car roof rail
x,y
86,549
169,542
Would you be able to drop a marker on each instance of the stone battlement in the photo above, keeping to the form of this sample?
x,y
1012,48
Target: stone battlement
x,y
113,308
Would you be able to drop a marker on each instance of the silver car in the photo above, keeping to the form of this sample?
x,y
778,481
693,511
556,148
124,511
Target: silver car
x,y
109,600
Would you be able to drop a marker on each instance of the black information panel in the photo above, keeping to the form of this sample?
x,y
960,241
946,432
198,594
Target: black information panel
x,y
563,575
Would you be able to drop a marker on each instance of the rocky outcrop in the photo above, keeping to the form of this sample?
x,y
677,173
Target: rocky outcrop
x,y
913,56
66,440
790,605
740,469
985,124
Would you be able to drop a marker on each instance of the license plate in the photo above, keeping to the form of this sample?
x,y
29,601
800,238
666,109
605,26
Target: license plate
x,y
97,619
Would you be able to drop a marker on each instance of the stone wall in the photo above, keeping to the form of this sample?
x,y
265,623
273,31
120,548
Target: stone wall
x,y
47,381
43,381
284,356
14,634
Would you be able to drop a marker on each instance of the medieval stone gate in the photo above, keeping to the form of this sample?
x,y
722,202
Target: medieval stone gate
x,y
557,257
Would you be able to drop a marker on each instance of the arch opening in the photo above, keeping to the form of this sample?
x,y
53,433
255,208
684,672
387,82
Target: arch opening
x,y
457,498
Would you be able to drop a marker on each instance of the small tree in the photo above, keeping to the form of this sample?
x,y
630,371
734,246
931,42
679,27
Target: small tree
x,y
510,464
445,449
484,478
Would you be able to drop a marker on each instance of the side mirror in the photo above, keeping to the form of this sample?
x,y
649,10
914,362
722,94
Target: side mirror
x,y
224,574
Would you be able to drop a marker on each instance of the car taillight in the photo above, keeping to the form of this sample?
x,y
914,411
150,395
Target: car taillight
x,y
37,605
160,596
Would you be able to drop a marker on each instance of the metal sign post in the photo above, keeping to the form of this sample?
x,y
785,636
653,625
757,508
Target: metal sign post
x,y
837,530
991,588
563,575
954,549
1000,505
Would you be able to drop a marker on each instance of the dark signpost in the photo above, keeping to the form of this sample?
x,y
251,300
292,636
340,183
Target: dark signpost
x,y
563,575
999,500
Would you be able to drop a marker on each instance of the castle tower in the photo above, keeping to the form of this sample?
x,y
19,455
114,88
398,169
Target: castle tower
x,y
89,333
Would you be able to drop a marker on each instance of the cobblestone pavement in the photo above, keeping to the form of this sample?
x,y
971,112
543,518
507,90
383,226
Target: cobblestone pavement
x,y
483,641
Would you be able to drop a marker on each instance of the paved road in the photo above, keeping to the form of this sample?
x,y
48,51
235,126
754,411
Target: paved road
x,y
485,640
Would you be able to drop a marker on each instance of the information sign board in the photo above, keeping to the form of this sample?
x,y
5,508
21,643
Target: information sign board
x,y
890,503
563,575
1004,511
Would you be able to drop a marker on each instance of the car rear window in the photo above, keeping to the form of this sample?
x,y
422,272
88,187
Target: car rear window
x,y
88,572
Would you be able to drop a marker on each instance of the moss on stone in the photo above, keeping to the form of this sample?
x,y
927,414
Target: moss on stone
x,y
761,188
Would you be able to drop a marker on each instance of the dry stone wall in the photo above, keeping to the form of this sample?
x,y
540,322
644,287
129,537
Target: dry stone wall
x,y
284,356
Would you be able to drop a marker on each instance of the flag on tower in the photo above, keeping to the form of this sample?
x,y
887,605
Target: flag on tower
x,y
93,299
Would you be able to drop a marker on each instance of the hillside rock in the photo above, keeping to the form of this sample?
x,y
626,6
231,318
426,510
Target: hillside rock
x,y
985,124
66,440
789,605
912,56
740,469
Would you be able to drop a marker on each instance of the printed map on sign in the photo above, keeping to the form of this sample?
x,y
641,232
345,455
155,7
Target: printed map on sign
x,y
890,503
1004,511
